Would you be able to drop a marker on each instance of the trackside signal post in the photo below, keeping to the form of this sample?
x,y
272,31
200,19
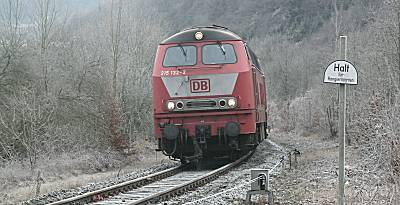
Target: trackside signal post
x,y
341,72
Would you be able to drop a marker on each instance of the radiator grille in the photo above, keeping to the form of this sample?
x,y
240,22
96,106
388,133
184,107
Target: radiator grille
x,y
201,104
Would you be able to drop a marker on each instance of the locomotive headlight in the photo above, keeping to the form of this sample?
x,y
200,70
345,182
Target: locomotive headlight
x,y
179,105
232,102
170,105
198,35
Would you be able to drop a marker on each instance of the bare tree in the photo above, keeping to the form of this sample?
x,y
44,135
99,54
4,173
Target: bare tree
x,y
44,19
114,110
115,33
10,34
25,124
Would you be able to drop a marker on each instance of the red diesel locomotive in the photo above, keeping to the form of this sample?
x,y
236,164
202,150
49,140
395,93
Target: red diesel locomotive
x,y
209,95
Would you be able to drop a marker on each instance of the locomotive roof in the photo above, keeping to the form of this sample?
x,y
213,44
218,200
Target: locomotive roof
x,y
211,33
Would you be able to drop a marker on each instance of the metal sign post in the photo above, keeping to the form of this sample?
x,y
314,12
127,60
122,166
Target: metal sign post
x,y
342,127
341,72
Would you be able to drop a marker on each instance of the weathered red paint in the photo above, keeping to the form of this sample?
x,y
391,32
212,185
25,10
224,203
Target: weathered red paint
x,y
249,91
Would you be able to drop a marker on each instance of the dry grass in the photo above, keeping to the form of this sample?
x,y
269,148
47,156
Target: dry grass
x,y
18,183
315,180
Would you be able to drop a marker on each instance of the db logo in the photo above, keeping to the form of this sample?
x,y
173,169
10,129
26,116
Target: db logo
x,y
199,85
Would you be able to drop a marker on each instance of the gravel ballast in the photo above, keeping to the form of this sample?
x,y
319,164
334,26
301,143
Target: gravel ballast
x,y
266,156
313,180
67,193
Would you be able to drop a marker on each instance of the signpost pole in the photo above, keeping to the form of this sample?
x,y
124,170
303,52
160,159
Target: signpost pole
x,y
341,72
342,125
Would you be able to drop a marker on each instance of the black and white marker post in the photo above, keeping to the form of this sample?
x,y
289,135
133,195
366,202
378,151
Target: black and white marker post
x,y
341,72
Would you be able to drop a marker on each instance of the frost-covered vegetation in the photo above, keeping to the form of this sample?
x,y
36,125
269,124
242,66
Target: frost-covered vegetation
x,y
73,84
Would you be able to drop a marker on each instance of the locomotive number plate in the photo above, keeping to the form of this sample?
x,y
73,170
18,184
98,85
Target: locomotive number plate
x,y
199,85
172,72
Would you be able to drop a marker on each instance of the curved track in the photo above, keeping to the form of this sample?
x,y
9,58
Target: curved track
x,y
118,188
153,188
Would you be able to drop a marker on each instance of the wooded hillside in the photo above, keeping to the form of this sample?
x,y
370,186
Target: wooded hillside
x,y
81,84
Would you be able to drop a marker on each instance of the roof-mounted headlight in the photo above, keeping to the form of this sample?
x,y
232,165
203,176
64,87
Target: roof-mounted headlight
x,y
198,35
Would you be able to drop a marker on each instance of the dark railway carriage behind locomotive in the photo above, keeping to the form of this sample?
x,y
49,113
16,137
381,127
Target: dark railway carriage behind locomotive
x,y
209,95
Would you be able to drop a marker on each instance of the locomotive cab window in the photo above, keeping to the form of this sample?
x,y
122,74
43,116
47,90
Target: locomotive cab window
x,y
180,56
218,54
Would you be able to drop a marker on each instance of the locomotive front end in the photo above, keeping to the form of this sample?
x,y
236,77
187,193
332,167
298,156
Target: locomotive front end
x,y
203,95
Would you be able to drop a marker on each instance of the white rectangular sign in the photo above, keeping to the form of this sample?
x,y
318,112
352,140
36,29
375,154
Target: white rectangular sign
x,y
341,72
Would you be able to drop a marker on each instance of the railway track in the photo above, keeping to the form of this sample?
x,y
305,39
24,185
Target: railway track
x,y
152,188
118,188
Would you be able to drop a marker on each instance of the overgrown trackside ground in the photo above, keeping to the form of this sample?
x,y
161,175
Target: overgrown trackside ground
x,y
73,170
266,156
315,179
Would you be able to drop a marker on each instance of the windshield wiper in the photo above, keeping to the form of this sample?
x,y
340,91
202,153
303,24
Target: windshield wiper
x,y
183,51
185,79
222,48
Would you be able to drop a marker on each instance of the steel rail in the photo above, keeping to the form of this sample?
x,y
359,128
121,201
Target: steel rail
x,y
93,196
200,181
